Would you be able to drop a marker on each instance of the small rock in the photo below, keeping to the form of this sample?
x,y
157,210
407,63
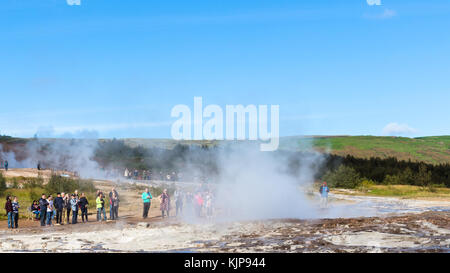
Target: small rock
x,y
143,224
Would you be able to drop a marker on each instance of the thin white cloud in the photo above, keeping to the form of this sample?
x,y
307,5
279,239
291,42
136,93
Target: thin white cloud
x,y
79,130
396,129
386,14
374,2
73,2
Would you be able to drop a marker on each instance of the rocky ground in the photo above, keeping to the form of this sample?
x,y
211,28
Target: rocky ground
x,y
349,224
424,232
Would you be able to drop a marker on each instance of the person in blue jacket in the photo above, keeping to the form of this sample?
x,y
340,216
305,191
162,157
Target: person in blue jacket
x,y
324,190
147,199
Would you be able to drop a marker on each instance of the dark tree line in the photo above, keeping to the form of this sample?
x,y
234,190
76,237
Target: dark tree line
x,y
380,170
117,154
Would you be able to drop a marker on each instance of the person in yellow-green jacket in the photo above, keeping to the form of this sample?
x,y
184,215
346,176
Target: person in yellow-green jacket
x,y
100,207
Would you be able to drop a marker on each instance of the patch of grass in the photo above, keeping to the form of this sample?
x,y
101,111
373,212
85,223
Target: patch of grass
x,y
404,191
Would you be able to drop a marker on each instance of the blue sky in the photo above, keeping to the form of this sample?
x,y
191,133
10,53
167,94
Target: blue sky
x,y
116,68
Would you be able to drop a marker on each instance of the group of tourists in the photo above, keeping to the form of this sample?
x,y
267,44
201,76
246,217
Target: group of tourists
x,y
66,208
199,204
149,175
61,207
46,209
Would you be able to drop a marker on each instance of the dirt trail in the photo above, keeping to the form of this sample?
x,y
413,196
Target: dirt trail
x,y
32,172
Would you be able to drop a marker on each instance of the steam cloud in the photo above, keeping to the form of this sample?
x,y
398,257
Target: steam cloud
x,y
248,184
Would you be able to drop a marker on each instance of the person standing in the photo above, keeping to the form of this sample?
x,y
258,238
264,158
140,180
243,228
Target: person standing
x,y
178,202
59,207
6,165
324,190
15,206
111,209
147,199
114,202
208,205
165,203
188,203
84,207
43,204
50,210
100,207
67,207
74,206
9,212
198,204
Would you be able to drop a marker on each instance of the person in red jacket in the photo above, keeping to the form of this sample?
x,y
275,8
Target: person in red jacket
x,y
9,212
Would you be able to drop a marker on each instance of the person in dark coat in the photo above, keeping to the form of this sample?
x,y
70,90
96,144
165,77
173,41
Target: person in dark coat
x,y
59,206
43,204
84,207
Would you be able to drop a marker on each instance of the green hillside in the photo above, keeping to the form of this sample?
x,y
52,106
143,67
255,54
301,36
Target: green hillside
x,y
435,149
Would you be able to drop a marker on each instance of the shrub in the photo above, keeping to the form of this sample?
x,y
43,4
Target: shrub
x,y
343,177
392,180
365,185
65,184
423,177
33,182
2,184
34,194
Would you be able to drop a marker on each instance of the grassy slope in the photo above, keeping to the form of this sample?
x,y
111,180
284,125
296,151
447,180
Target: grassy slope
x,y
428,149
402,191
